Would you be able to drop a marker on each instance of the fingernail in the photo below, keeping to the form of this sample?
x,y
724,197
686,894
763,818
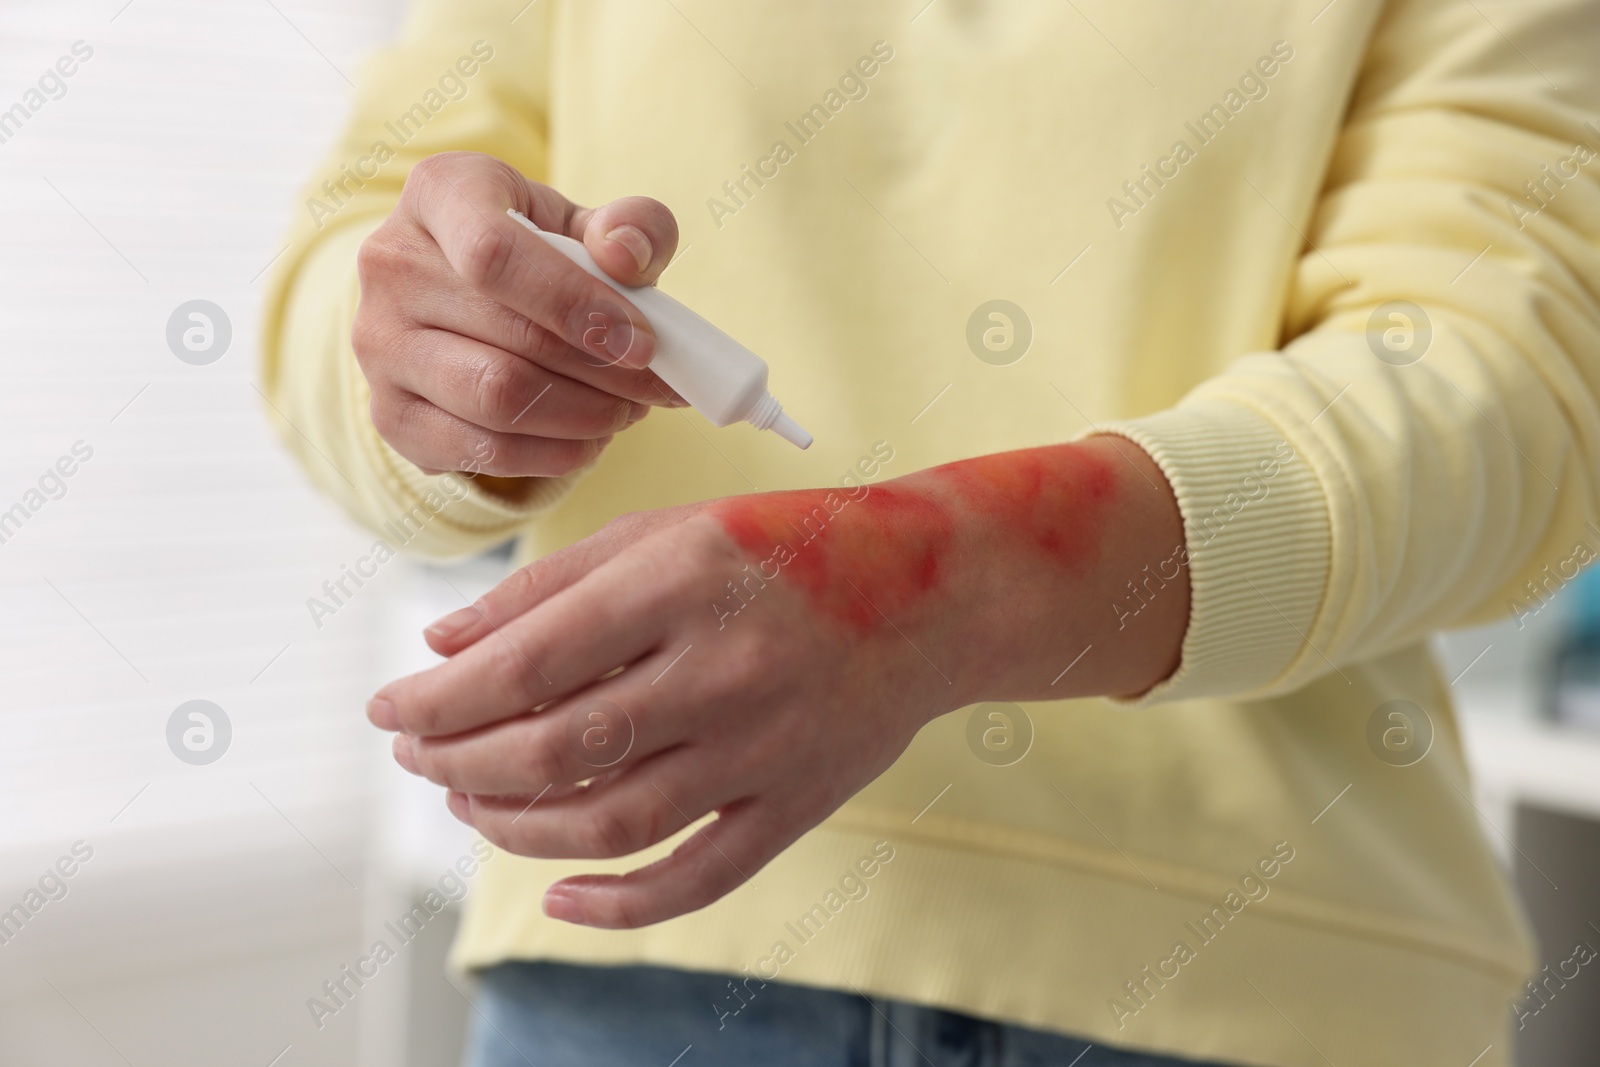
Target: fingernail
x,y
381,713
613,338
404,754
638,245
453,624
559,904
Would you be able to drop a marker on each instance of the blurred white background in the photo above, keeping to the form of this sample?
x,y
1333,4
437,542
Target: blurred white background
x,y
175,564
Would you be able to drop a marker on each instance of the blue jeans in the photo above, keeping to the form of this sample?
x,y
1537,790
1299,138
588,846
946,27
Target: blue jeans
x,y
561,1015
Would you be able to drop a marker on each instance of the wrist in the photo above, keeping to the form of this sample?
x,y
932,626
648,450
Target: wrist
x,y
1146,577
1038,574
1067,574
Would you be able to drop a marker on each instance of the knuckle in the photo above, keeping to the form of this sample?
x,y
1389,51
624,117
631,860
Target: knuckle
x,y
427,169
487,256
391,259
375,256
623,523
757,669
572,304
362,337
430,175
616,415
717,552
541,761
604,833
518,587
631,526
512,669
658,826
369,335
528,339
386,416
497,391
623,914
481,456
596,420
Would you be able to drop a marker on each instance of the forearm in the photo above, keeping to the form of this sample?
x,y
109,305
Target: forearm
x,y
840,623
1074,580
1042,573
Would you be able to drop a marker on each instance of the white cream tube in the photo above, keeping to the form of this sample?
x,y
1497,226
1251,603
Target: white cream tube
x,y
724,380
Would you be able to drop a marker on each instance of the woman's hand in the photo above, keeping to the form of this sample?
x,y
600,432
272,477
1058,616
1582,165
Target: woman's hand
x,y
479,340
777,652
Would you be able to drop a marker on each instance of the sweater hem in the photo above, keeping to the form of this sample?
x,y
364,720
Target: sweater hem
x,y
1125,966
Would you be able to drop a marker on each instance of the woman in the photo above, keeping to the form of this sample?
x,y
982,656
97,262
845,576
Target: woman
x,y
1174,371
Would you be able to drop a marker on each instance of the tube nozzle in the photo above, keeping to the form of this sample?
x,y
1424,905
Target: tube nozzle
x,y
791,431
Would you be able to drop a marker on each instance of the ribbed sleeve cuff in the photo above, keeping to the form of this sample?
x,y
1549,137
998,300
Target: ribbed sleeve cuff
x,y
1256,522
476,510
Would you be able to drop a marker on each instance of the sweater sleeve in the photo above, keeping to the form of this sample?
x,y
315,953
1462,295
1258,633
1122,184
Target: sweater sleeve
x,y
463,75
1423,451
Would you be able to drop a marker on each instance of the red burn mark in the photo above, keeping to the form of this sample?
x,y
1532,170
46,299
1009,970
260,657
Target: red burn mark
x,y
1057,496
852,556
857,556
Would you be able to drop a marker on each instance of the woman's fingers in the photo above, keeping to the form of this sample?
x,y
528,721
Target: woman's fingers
x,y
633,238
607,619
435,295
437,441
461,309
602,731
527,587
487,387
519,593
714,861
629,810
606,728
542,351
461,199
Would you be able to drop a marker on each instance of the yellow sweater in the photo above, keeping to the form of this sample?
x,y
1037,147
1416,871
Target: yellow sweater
x,y
1205,212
